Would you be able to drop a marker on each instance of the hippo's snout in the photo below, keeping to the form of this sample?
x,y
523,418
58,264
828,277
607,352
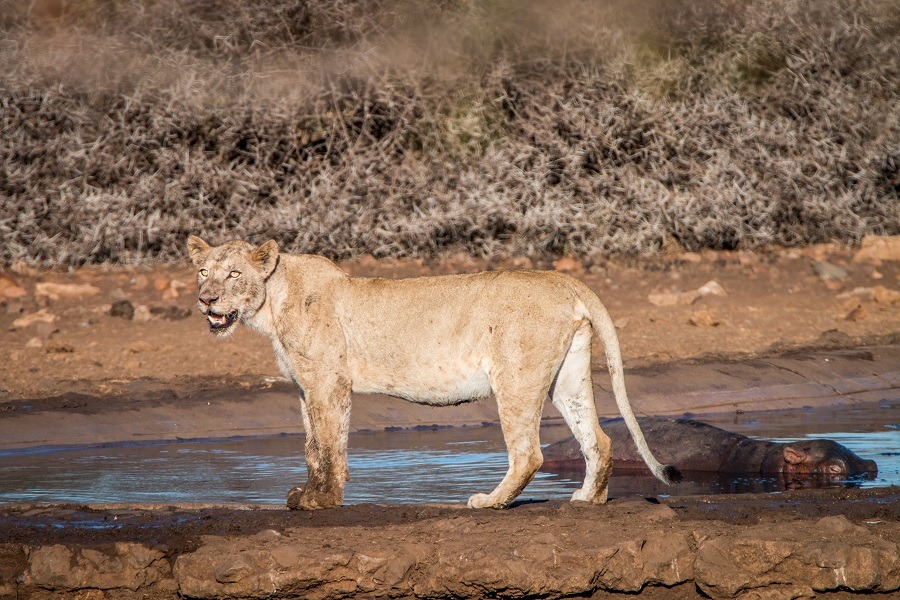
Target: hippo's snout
x,y
869,468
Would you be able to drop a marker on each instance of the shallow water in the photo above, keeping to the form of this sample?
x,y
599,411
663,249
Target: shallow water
x,y
400,467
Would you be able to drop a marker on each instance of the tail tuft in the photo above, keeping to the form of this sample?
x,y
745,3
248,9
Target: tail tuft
x,y
671,474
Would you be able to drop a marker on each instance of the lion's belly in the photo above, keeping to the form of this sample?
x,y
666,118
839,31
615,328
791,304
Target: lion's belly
x,y
439,385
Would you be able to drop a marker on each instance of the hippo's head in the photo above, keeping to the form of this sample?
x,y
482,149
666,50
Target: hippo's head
x,y
826,458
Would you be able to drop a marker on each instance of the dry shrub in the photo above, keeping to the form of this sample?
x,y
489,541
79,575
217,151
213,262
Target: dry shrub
x,y
419,128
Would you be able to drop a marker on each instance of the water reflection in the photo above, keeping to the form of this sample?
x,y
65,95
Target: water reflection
x,y
405,467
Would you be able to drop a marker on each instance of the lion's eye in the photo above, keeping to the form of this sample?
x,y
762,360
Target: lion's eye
x,y
234,274
203,272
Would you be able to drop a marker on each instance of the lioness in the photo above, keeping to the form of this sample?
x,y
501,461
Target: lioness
x,y
521,335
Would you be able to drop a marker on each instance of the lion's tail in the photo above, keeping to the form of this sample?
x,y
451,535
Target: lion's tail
x,y
603,324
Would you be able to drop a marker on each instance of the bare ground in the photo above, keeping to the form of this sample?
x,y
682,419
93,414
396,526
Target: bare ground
x,y
772,302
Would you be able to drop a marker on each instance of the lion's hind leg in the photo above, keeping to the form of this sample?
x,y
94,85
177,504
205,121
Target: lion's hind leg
x,y
573,395
520,407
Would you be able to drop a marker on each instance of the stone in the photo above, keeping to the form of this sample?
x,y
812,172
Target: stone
x,y
161,282
170,313
172,292
50,565
568,264
56,291
9,287
232,570
883,295
522,262
879,294
123,309
712,288
672,298
878,248
140,282
46,330
675,298
704,318
41,316
141,314
857,314
129,566
829,272
621,323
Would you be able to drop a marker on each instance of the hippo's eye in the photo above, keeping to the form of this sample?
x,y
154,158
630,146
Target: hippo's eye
x,y
203,272
234,274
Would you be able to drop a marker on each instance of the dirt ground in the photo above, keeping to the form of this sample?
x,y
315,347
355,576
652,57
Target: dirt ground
x,y
59,341
137,327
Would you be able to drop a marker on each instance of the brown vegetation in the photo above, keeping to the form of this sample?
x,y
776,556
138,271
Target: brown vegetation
x,y
418,128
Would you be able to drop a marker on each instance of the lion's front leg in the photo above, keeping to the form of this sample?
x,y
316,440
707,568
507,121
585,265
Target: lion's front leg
x,y
326,419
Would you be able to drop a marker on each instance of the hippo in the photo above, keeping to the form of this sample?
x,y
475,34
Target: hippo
x,y
696,446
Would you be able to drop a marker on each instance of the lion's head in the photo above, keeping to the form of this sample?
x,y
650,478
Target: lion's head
x,y
232,279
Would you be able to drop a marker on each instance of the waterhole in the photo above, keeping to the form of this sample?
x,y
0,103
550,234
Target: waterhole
x,y
445,465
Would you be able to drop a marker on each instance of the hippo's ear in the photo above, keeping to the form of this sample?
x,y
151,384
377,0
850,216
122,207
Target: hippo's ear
x,y
795,455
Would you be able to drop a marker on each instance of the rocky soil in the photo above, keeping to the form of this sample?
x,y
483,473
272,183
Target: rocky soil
x,y
786,546
100,330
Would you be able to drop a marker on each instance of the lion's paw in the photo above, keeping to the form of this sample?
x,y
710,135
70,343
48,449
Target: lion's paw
x,y
301,499
583,495
295,498
483,501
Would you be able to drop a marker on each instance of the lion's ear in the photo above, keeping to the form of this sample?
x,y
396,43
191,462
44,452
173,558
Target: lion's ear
x,y
266,256
197,249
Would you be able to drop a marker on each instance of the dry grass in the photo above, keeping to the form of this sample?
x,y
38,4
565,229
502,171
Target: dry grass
x,y
418,128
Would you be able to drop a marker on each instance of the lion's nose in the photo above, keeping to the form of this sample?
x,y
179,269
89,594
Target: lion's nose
x,y
207,299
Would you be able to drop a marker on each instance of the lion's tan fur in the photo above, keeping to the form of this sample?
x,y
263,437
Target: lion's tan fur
x,y
519,335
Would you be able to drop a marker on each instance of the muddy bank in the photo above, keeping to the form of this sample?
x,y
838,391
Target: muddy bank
x,y
757,546
151,411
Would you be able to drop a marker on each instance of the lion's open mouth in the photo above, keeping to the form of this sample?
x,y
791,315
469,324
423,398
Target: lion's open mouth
x,y
221,322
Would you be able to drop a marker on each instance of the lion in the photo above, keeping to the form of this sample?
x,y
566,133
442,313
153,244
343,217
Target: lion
x,y
522,336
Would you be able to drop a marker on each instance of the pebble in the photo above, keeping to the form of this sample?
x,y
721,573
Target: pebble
x,y
172,292
9,287
712,288
704,318
55,291
41,316
46,330
122,308
568,264
141,314
829,272
857,314
672,298
140,282
161,282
